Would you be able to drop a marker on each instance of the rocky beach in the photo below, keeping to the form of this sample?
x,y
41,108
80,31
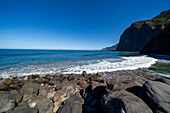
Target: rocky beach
x,y
130,91
51,59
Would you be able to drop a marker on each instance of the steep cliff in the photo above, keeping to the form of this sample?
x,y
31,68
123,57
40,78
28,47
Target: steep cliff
x,y
159,44
135,37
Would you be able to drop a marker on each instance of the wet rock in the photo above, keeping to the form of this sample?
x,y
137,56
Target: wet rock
x,y
84,73
123,102
44,104
25,110
156,95
71,77
81,83
72,105
82,78
1,78
15,86
2,86
6,105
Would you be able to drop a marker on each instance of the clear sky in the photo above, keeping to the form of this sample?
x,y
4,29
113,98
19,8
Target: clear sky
x,y
71,24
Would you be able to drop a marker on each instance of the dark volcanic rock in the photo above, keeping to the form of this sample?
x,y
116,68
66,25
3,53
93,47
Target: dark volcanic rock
x,y
72,105
123,102
157,96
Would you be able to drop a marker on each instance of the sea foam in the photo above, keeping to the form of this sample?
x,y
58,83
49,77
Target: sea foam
x,y
105,65
128,63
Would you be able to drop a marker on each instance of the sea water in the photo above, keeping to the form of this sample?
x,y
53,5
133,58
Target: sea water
x,y
22,62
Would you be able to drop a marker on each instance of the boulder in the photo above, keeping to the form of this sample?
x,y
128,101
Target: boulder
x,y
30,88
121,84
13,95
25,110
33,102
44,104
69,88
164,80
52,82
72,105
51,94
22,105
6,105
123,102
44,90
156,95
59,97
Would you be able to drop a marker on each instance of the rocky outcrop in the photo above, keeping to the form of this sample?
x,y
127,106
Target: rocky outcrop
x,y
72,105
140,33
159,44
124,102
112,48
156,94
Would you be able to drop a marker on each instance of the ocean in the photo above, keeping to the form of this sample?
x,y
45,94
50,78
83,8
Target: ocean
x,y
21,62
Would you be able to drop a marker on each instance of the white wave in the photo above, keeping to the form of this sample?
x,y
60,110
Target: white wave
x,y
128,63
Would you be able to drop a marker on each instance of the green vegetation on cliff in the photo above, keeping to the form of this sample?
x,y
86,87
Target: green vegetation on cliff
x,y
135,37
162,19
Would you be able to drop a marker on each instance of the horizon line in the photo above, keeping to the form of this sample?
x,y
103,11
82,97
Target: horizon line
x,y
52,49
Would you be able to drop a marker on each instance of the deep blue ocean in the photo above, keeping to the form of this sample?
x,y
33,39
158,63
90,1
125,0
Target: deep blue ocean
x,y
25,62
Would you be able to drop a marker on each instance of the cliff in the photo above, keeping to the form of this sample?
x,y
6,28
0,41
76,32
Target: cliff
x,y
135,37
159,44
112,48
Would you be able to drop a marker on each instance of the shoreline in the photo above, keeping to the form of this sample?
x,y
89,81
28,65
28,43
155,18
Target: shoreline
x,y
141,74
51,94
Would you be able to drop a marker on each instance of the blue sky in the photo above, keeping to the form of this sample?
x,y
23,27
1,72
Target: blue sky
x,y
71,24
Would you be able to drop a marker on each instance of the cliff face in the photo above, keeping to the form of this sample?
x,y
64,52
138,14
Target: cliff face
x,y
159,44
112,48
140,33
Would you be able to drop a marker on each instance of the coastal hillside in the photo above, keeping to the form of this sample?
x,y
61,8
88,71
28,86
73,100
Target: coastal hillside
x,y
135,37
159,44
112,48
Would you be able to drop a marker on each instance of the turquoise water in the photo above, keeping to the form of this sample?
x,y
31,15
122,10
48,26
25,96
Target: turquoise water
x,y
25,62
